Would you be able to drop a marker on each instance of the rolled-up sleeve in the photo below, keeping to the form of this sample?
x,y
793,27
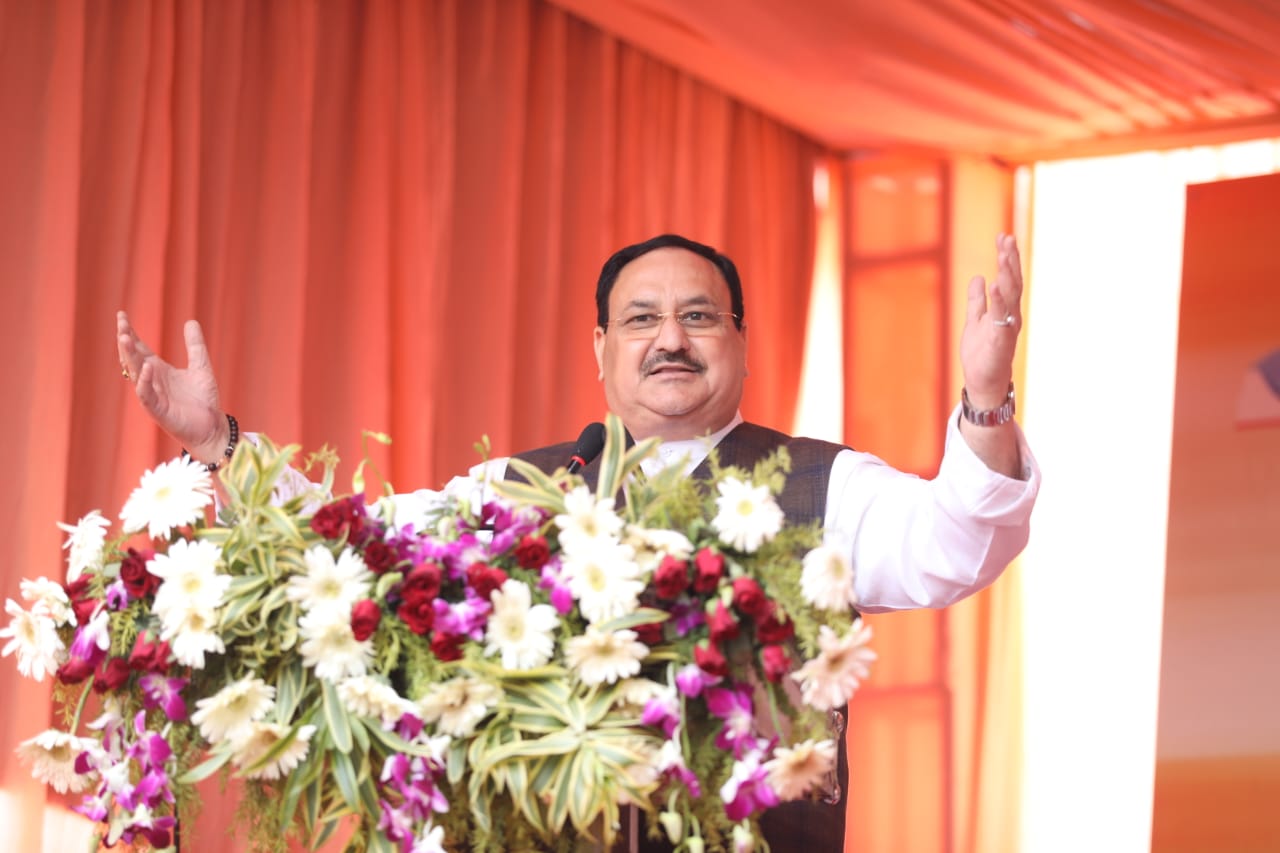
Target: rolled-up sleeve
x,y
928,543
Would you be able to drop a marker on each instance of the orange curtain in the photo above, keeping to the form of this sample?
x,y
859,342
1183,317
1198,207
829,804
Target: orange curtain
x,y
386,215
933,735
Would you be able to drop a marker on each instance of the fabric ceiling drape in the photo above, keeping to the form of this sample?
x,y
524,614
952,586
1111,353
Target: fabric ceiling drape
x,y
386,216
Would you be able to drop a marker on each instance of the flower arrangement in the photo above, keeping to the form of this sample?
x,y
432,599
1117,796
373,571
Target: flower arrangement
x,y
499,666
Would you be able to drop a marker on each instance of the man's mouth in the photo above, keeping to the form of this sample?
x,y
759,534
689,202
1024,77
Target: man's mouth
x,y
672,367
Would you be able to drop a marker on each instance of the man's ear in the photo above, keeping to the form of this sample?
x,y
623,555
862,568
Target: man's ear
x,y
598,344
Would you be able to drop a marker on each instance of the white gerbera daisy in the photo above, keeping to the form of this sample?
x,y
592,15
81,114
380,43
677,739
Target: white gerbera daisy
x,y
231,711
261,738
519,630
329,647
34,636
49,598
830,680
795,770
604,579
747,516
457,706
191,581
826,581
191,633
84,543
172,494
330,583
52,755
651,545
599,656
586,519
366,696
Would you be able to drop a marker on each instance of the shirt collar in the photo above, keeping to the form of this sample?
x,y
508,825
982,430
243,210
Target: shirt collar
x,y
690,451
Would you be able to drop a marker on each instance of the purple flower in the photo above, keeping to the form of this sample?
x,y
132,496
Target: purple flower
x,y
691,679
747,790
664,711
164,693
686,617
93,639
554,580
735,708
117,596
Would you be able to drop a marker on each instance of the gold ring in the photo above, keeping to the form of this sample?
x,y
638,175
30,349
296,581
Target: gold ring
x,y
124,371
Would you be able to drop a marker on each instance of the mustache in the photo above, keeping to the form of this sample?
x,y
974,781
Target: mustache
x,y
661,359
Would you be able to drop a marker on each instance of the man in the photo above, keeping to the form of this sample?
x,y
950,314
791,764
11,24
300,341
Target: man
x,y
671,347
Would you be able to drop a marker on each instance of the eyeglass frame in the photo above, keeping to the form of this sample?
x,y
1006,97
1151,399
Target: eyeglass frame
x,y
675,315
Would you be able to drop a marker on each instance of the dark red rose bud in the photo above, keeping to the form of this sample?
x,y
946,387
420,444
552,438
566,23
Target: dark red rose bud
x,y
137,580
418,613
423,579
532,552
330,521
721,623
149,655
774,627
447,647
649,633
749,598
776,663
708,570
484,579
671,577
365,616
74,671
111,675
84,609
710,660
379,556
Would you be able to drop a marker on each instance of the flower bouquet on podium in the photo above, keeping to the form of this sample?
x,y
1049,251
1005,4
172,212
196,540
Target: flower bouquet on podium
x,y
498,666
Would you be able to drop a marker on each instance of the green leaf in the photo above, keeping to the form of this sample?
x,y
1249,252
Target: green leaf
x,y
206,768
336,719
344,773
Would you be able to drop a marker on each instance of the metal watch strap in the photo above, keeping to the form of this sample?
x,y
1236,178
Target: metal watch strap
x,y
987,417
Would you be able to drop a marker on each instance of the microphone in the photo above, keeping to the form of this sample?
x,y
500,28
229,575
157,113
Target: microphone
x,y
589,445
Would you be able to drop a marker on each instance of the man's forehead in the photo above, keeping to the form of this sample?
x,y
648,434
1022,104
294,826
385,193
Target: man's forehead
x,y
670,268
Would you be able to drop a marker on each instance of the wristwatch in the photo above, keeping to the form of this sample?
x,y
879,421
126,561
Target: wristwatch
x,y
987,417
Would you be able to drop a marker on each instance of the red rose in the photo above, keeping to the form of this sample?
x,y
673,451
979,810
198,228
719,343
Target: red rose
x,y
135,576
484,579
81,604
418,613
330,521
74,671
447,647
776,663
710,660
721,624
650,633
709,568
749,598
112,675
365,616
149,655
379,556
775,627
671,577
423,579
532,552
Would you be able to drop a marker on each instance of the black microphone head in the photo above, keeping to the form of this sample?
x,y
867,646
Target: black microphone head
x,y
590,443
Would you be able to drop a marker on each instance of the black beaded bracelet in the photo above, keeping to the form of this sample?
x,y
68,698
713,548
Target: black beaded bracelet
x,y
232,441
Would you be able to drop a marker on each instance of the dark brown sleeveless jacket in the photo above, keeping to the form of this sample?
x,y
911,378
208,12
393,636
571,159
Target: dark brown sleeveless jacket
x,y
802,826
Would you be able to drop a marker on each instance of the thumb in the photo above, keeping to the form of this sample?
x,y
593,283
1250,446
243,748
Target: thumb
x,y
976,304
197,352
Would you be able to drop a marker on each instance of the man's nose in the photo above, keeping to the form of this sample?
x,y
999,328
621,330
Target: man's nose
x,y
671,336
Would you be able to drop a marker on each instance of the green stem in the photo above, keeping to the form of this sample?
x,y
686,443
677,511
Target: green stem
x,y
84,697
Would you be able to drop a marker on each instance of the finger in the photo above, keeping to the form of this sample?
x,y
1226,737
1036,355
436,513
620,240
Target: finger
x,y
145,387
197,352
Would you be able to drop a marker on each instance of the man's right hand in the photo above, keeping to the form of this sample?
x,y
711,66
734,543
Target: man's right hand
x,y
184,402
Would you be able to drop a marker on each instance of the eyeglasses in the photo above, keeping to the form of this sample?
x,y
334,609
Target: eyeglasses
x,y
693,322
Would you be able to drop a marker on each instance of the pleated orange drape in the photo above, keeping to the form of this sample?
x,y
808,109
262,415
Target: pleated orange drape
x,y
386,215
934,735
